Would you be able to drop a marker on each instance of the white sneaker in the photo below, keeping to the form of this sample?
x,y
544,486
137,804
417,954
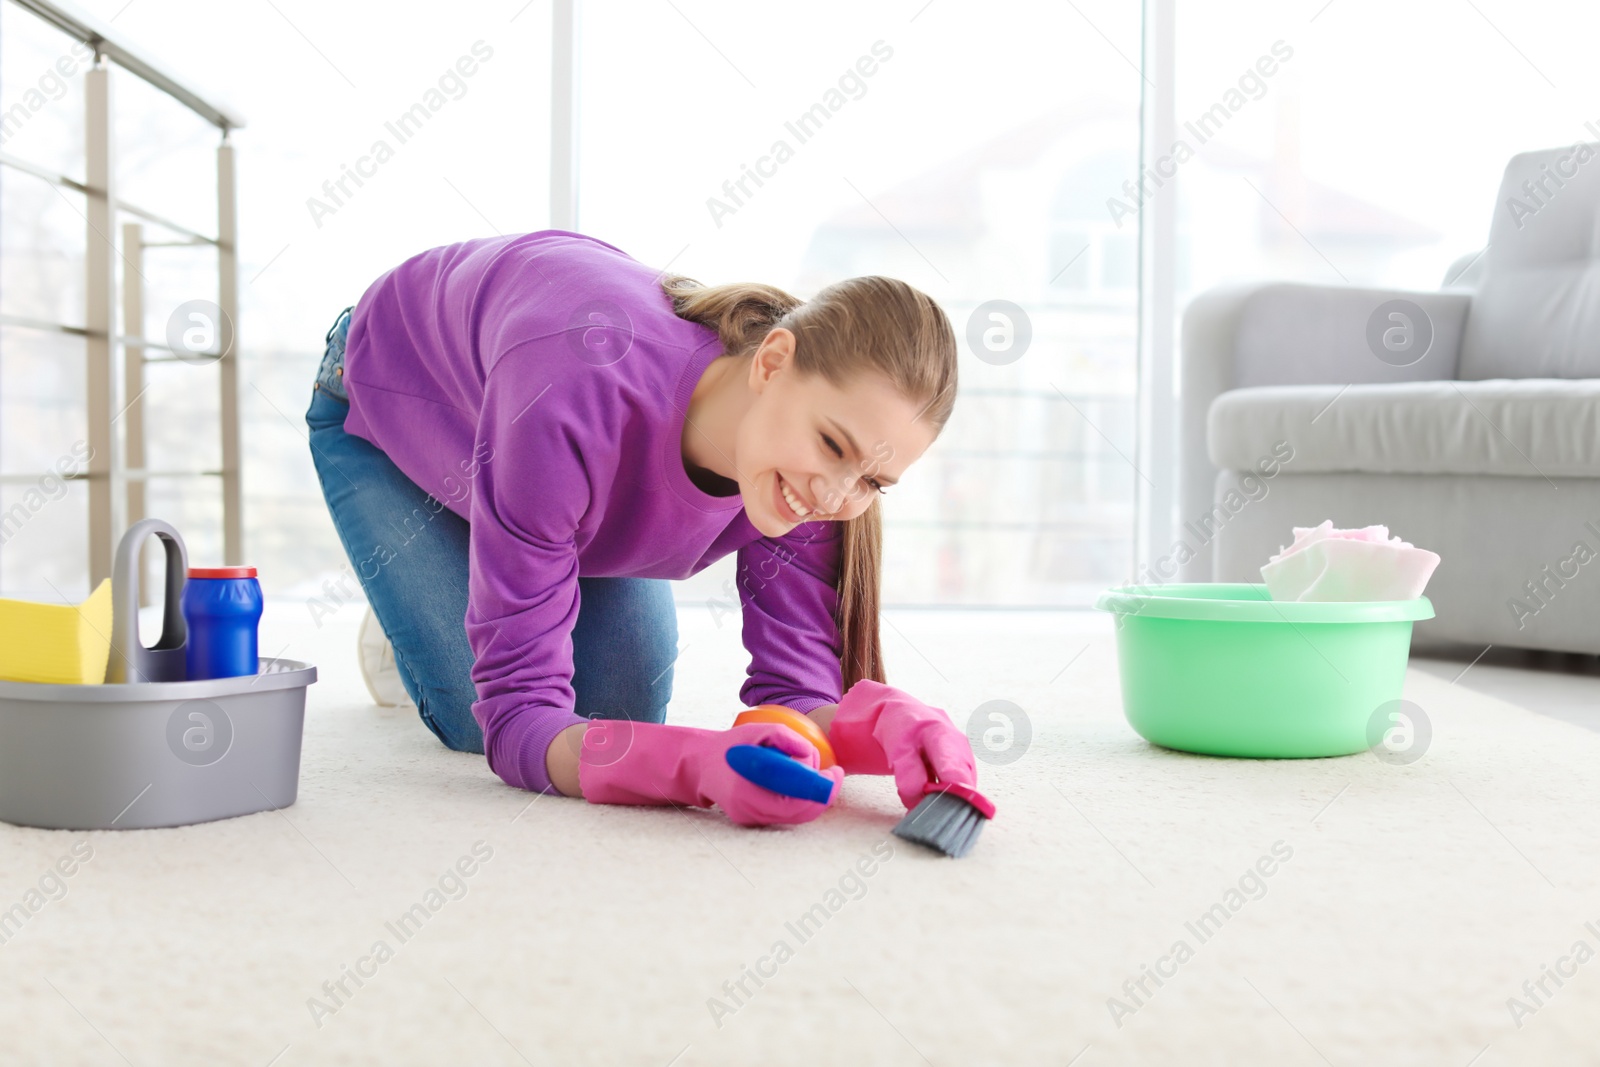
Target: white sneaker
x,y
378,668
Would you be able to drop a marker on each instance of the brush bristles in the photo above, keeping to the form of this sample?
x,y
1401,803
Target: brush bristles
x,y
943,821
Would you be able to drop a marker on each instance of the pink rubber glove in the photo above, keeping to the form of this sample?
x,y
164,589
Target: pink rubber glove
x,y
626,762
880,730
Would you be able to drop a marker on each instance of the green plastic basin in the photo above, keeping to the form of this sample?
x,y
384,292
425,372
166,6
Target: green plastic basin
x,y
1224,670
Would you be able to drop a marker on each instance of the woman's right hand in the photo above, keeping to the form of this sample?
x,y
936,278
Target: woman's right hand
x,y
627,762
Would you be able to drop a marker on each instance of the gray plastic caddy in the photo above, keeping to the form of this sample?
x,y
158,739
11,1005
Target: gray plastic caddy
x,y
149,748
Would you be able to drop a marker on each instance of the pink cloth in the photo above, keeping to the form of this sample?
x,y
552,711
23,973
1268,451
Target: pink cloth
x,y
1366,564
626,762
879,729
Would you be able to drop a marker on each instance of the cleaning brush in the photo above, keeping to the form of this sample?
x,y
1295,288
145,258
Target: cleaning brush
x,y
948,818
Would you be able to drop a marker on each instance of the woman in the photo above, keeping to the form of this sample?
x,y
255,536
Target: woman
x,y
521,439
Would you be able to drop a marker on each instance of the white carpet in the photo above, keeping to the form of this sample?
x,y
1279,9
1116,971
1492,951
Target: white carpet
x,y
1416,900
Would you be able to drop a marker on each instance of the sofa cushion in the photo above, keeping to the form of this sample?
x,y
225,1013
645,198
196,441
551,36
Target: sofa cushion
x,y
1533,427
1536,311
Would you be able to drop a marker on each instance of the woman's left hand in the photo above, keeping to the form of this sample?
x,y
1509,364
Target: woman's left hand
x,y
878,729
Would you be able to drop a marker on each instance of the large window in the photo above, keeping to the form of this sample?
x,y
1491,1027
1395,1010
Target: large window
x,y
950,146
976,151
1371,151
319,86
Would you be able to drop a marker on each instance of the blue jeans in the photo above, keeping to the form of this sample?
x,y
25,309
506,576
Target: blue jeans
x,y
410,555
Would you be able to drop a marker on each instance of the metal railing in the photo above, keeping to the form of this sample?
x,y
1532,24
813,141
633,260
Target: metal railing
x,y
116,472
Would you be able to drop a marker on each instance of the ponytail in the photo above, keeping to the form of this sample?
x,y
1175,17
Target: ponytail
x,y
742,314
869,323
860,585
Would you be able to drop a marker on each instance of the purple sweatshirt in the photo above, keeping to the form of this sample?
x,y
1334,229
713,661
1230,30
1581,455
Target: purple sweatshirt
x,y
537,385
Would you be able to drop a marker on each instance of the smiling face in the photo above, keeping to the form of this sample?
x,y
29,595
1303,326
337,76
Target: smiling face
x,y
807,450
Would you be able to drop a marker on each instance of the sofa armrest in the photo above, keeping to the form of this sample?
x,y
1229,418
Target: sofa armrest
x,y
1280,333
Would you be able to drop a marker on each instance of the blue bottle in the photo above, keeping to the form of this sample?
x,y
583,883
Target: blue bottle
x,y
222,608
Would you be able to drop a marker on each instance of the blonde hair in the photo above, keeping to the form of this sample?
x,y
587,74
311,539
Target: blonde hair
x,y
861,324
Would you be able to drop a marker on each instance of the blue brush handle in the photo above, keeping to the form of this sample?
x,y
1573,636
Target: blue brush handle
x,y
785,775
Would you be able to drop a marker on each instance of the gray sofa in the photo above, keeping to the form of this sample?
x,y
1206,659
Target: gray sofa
x,y
1467,420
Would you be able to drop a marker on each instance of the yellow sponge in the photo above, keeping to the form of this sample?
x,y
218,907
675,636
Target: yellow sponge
x,y
60,644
